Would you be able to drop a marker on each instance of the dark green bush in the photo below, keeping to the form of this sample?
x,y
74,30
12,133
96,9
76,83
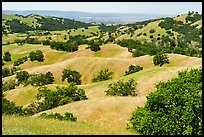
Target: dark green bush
x,y
36,55
68,116
104,74
7,56
22,76
71,76
121,88
152,31
133,69
174,109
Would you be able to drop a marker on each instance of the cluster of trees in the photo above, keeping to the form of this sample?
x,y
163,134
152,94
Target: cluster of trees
x,y
48,99
191,33
41,79
55,23
133,69
68,116
104,74
174,109
20,61
104,28
16,26
25,78
71,76
121,88
36,55
193,17
139,49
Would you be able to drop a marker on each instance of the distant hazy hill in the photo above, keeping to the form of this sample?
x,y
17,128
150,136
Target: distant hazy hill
x,y
19,23
117,18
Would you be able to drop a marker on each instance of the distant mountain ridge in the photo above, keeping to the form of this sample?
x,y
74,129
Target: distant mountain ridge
x,y
116,18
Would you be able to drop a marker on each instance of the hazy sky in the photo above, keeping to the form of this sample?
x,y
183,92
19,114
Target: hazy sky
x,y
109,7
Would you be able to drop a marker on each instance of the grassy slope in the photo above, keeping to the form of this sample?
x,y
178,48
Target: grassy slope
x,y
13,125
111,111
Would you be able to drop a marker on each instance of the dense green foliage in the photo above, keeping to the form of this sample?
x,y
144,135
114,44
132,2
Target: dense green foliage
x,y
133,69
9,84
36,55
174,109
104,74
121,88
71,76
68,116
160,59
41,79
22,76
9,108
16,26
20,61
7,56
48,99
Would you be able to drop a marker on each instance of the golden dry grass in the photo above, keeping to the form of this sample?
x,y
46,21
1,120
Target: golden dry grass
x,y
107,111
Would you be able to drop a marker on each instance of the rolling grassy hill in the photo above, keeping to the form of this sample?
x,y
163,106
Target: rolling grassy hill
x,y
100,114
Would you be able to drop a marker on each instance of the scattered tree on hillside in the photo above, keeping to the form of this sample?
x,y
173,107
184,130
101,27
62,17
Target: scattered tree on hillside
x,y
133,69
160,59
121,88
71,76
22,76
104,74
36,55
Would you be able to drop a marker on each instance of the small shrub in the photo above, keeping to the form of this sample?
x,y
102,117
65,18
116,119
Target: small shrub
x,y
104,74
68,116
133,69
152,31
7,56
121,88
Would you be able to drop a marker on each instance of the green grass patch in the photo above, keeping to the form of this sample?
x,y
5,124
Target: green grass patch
x,y
13,125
